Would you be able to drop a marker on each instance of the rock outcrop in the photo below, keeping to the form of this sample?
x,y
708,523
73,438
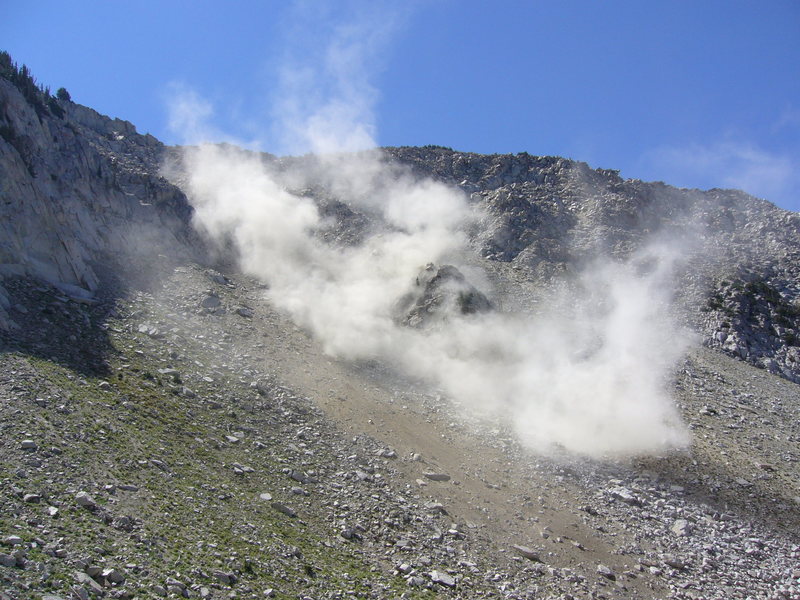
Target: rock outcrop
x,y
80,195
439,292
82,198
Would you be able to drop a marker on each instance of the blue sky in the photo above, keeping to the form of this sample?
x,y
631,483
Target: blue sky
x,y
696,94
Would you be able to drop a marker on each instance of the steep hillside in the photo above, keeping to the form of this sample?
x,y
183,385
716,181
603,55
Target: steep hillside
x,y
412,373
211,448
81,191
737,258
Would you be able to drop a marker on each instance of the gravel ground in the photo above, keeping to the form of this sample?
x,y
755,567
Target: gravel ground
x,y
190,441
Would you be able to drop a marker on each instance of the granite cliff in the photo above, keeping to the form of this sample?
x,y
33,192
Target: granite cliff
x,y
80,196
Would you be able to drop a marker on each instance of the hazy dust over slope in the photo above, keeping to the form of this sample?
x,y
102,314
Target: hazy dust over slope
x,y
588,374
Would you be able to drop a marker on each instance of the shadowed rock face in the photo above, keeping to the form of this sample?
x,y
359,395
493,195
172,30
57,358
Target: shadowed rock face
x,y
439,292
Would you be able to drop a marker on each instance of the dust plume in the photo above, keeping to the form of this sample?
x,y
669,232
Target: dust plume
x,y
588,374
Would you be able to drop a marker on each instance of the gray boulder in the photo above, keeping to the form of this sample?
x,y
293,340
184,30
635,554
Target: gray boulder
x,y
438,293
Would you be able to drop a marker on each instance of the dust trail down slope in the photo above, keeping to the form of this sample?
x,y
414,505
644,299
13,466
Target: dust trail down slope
x,y
588,375
200,410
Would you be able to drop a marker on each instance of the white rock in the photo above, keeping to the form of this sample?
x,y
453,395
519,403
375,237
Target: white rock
x,y
681,527
442,579
113,575
526,552
85,500
606,572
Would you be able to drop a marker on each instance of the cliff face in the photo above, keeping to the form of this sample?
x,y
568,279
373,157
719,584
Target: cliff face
x,y
80,193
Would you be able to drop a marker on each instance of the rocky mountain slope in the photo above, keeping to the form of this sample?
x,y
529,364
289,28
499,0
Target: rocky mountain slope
x,y
191,442
546,218
740,284
168,432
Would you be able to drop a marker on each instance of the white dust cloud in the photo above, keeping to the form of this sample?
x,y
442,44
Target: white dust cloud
x,y
589,374
324,101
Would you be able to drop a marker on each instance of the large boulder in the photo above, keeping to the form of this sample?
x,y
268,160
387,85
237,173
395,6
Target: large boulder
x,y
438,293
